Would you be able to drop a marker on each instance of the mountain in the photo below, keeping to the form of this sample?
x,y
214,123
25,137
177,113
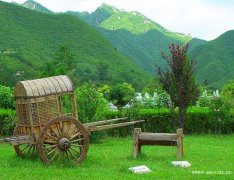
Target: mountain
x,y
30,4
142,40
133,34
30,39
215,60
195,42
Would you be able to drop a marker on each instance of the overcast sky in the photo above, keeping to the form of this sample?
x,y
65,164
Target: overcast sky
x,y
205,19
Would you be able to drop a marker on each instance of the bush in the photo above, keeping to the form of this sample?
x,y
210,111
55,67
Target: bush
x,y
6,98
7,122
221,118
91,103
91,106
121,94
228,93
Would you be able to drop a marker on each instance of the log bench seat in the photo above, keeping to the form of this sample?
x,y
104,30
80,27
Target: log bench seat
x,y
157,139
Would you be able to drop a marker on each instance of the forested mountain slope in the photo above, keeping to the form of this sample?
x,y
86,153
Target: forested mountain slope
x,y
30,39
133,34
215,60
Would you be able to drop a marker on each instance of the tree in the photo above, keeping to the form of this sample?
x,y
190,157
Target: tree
x,y
178,80
63,63
103,72
65,57
121,94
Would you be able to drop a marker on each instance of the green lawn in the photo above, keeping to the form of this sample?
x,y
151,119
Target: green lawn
x,y
111,159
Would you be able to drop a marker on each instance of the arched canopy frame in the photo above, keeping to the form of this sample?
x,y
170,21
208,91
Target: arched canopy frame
x,y
55,85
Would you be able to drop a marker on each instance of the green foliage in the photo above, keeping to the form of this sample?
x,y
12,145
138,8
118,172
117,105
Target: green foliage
x,y
221,118
132,112
63,63
228,93
6,98
105,90
152,87
121,94
91,107
164,100
91,103
103,73
7,121
204,100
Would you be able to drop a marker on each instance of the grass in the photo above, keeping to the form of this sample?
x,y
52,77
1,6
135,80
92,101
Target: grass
x,y
111,158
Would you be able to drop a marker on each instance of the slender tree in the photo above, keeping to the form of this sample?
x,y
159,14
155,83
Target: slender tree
x,y
178,79
103,72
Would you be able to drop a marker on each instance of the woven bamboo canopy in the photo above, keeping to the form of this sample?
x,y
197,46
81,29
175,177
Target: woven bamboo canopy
x,y
43,87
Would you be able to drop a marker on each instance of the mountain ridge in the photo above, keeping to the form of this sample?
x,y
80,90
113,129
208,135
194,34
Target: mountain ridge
x,y
131,33
33,5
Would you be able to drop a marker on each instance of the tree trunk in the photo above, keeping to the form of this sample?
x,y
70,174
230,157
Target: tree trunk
x,y
181,117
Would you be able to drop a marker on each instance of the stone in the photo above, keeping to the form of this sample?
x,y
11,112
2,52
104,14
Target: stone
x,y
140,169
183,164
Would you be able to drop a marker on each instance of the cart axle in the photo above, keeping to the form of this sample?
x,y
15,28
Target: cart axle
x,y
64,144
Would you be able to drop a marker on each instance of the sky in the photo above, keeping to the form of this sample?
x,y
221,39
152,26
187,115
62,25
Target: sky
x,y
204,19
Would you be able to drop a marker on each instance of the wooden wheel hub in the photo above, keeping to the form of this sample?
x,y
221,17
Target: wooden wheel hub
x,y
64,144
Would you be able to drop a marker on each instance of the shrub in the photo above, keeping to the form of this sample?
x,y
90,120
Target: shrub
x,y
91,106
228,93
204,100
91,103
121,94
6,98
221,118
7,122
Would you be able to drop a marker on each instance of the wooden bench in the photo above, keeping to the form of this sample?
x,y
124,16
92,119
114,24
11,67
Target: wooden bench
x,y
157,139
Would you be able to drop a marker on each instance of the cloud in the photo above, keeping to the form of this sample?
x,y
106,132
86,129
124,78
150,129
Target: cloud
x,y
204,19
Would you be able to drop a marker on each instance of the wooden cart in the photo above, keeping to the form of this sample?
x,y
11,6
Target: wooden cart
x,y
48,123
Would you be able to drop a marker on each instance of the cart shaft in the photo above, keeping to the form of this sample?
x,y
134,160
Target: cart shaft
x,y
104,122
111,126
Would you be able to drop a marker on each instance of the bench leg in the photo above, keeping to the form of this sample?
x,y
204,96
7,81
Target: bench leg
x,y
136,145
179,143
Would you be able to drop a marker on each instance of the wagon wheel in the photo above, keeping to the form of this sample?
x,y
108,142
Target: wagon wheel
x,y
63,138
24,150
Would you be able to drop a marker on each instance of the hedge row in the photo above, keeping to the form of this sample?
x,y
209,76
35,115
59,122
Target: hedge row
x,y
198,121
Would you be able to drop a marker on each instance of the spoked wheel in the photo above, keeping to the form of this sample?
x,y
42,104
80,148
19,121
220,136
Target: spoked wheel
x,y
63,138
27,150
